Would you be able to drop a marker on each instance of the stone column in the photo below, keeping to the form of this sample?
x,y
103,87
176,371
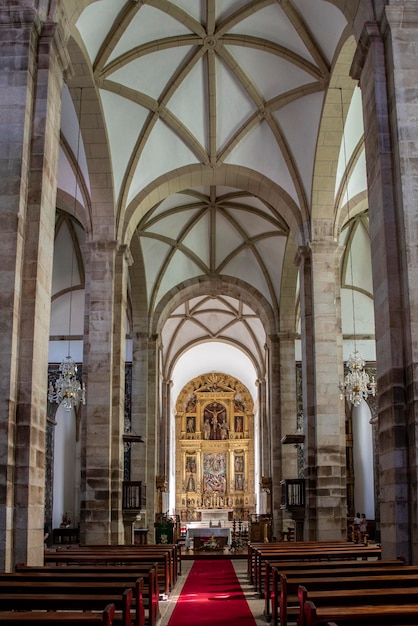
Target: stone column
x,y
97,425
288,397
123,261
153,433
275,449
323,410
385,65
287,455
164,453
32,62
139,453
303,260
263,430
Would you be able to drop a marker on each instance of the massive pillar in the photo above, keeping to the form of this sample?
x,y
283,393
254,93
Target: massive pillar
x,y
97,425
385,65
288,397
275,451
32,61
323,411
153,433
165,461
123,261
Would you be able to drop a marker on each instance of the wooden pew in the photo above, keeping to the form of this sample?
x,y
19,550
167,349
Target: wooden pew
x,y
322,552
16,585
342,567
173,551
362,615
288,548
168,556
285,599
70,602
113,557
143,582
302,551
350,597
148,572
68,618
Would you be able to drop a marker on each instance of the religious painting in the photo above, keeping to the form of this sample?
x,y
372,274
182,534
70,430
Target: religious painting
x,y
238,424
191,483
239,482
190,424
215,424
190,405
214,472
239,463
190,464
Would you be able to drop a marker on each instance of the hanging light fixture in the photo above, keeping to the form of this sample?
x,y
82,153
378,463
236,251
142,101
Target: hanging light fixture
x,y
356,385
67,389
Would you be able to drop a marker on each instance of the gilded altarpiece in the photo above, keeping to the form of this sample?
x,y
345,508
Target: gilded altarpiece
x,y
214,448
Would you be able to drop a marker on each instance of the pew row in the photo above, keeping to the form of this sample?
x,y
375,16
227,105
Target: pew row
x,y
325,552
353,597
379,614
173,551
322,568
147,572
289,548
71,602
113,557
68,618
89,595
285,601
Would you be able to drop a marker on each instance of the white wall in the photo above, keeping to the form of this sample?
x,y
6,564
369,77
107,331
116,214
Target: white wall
x,y
66,481
363,461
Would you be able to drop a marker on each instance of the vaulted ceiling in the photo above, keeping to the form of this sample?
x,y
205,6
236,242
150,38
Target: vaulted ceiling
x,y
226,97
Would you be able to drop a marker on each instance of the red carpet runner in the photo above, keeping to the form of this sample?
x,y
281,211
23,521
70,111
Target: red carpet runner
x,y
212,595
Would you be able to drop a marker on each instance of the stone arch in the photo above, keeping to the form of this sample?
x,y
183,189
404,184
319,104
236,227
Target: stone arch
x,y
66,203
288,290
102,218
182,292
339,94
198,175
210,286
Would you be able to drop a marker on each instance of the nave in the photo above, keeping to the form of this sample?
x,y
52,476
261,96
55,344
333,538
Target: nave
x,y
255,603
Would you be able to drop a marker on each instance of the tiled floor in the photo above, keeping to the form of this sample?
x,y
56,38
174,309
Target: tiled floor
x,y
255,603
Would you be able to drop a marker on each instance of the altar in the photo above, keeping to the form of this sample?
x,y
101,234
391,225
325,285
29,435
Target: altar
x,y
196,537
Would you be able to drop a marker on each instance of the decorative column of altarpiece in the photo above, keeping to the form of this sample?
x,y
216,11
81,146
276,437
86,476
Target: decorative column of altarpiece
x,y
214,450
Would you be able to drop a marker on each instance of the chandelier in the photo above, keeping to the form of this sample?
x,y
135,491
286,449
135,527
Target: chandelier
x,y
67,389
356,385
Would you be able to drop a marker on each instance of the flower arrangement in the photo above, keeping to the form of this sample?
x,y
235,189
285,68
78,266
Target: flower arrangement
x,y
65,521
211,544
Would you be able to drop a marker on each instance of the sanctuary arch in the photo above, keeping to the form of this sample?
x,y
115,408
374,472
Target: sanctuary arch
x,y
214,450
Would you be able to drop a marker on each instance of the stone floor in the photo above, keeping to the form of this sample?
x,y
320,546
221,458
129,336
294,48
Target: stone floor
x,y
255,603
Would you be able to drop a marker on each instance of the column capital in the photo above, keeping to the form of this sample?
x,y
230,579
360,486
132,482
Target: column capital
x,y
19,15
402,14
371,33
125,251
54,37
303,253
51,35
326,247
100,247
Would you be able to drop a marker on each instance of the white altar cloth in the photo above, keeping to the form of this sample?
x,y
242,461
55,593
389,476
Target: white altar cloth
x,y
206,532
